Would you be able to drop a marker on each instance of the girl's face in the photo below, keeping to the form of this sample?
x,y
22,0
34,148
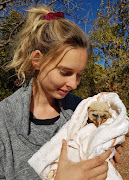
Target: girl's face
x,y
65,76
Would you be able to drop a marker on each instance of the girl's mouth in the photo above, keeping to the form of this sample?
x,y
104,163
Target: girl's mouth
x,y
63,92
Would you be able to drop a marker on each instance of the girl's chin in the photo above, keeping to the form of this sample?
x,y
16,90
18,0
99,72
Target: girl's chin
x,y
59,95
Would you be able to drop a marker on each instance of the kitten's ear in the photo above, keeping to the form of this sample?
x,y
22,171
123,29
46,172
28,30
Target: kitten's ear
x,y
36,57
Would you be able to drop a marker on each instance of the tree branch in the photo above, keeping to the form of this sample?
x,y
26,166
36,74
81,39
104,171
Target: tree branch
x,y
3,4
52,2
4,43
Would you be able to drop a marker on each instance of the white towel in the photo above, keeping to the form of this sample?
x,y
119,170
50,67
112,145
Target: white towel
x,y
85,141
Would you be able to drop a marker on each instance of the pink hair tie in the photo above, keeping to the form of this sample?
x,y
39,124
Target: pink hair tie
x,y
53,16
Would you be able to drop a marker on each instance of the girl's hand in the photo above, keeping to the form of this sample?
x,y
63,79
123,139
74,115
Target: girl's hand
x,y
117,156
93,169
118,153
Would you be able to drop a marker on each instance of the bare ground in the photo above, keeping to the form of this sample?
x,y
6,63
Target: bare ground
x,y
123,168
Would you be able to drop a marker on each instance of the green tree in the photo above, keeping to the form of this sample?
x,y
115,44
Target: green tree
x,y
11,25
110,39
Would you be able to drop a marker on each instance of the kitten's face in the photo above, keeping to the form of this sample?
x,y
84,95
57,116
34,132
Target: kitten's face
x,y
98,113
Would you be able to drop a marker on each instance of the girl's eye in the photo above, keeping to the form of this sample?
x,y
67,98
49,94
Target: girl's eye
x,y
79,75
65,73
69,74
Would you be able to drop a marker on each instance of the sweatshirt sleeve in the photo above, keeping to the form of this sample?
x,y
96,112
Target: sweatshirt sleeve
x,y
2,176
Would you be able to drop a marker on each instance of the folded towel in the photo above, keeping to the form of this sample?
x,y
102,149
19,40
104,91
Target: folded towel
x,y
85,141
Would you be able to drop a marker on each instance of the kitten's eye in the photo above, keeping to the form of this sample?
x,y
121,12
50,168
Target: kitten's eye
x,y
104,116
95,115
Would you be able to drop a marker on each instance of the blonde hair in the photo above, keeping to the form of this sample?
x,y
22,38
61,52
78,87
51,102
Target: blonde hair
x,y
49,37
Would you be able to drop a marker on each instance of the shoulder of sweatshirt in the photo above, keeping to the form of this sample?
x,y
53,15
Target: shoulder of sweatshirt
x,y
71,102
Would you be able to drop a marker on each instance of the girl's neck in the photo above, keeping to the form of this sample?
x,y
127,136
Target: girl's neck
x,y
42,106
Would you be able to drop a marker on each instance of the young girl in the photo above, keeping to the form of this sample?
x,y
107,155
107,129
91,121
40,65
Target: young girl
x,y
50,58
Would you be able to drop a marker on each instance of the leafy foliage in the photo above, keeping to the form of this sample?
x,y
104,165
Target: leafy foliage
x,y
11,25
110,39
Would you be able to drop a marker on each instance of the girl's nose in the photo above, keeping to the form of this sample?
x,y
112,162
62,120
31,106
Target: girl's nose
x,y
72,83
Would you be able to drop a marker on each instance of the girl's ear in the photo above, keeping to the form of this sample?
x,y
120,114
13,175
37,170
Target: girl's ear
x,y
36,57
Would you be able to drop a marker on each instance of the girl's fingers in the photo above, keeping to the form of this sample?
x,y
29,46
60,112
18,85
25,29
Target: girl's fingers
x,y
96,161
81,170
63,154
100,177
113,162
95,172
119,149
117,157
106,154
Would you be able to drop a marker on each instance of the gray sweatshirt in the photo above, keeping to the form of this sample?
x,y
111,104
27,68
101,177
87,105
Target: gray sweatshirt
x,y
20,138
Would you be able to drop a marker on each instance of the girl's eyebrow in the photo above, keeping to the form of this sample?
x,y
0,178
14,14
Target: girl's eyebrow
x,y
64,68
67,68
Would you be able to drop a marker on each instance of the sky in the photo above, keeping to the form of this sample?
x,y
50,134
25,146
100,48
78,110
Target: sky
x,y
95,4
90,10
90,6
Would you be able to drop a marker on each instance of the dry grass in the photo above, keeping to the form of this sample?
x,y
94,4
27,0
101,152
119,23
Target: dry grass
x,y
123,168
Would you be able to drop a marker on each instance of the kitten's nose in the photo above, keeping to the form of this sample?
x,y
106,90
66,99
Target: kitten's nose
x,y
99,120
